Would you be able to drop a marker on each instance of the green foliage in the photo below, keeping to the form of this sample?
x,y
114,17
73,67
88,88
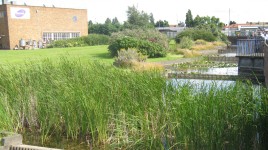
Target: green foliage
x,y
196,34
138,19
189,19
161,23
90,40
232,22
151,35
96,39
120,109
126,58
151,49
211,24
109,27
186,43
151,42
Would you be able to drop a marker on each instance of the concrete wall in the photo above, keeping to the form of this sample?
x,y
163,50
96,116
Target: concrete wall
x,y
266,64
44,19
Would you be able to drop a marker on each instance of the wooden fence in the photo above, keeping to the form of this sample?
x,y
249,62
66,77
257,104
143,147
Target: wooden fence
x,y
250,47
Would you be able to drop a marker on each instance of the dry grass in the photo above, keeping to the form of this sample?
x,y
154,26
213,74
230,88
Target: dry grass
x,y
203,45
142,66
188,53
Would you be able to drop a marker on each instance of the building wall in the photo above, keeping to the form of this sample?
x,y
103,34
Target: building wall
x,y
266,64
4,36
45,19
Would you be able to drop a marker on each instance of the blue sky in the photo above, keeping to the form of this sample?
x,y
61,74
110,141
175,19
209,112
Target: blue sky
x,y
173,11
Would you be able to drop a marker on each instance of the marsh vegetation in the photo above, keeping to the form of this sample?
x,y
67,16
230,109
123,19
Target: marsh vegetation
x,y
112,108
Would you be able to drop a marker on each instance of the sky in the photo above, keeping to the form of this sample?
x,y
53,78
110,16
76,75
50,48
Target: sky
x,y
174,11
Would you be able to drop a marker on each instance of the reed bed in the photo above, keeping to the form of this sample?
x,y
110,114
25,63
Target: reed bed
x,y
117,109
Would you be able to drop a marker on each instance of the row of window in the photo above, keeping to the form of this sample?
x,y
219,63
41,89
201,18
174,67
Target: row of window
x,y
48,36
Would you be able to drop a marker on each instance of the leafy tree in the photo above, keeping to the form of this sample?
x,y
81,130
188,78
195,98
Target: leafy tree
x,y
189,19
181,24
161,23
137,19
211,24
90,23
232,22
151,18
115,21
107,28
108,21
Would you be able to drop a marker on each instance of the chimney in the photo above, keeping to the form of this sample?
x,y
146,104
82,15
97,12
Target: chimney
x,y
3,2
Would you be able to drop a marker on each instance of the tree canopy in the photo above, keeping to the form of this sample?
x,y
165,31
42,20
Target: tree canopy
x,y
107,28
189,19
138,19
161,23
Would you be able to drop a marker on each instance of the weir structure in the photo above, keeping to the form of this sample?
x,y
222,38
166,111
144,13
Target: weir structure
x,y
253,58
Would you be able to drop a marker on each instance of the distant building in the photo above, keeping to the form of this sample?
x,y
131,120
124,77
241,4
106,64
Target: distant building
x,y
39,23
247,29
171,31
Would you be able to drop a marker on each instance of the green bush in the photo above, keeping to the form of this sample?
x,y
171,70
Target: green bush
x,y
90,40
126,58
96,39
186,42
150,35
150,49
196,34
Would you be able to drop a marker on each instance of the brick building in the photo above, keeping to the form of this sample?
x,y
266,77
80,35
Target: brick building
x,y
39,23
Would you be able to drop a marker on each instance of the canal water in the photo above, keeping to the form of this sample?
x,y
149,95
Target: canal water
x,y
215,71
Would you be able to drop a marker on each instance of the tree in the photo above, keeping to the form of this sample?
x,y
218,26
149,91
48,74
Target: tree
x,y
206,23
181,24
232,22
151,18
189,19
161,23
90,23
137,19
115,21
107,28
108,21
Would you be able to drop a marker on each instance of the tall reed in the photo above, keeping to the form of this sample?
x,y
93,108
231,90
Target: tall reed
x,y
113,108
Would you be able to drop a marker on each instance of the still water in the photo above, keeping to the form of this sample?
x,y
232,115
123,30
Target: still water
x,y
215,71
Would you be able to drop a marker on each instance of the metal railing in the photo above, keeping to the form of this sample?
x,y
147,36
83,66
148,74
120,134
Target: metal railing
x,y
250,47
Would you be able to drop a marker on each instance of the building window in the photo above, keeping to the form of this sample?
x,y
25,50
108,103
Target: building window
x,y
48,36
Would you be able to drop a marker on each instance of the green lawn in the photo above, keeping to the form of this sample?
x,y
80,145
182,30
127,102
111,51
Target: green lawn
x,y
99,53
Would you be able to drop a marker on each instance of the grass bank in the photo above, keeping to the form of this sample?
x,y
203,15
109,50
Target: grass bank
x,y
116,109
84,54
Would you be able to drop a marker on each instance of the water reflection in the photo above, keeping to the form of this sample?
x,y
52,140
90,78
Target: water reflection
x,y
228,55
199,83
216,71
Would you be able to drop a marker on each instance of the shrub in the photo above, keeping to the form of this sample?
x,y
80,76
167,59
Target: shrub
x,y
96,39
172,45
90,40
150,49
127,58
150,42
186,42
151,35
196,34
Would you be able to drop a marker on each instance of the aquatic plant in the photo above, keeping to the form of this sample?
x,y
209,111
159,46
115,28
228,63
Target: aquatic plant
x,y
111,108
